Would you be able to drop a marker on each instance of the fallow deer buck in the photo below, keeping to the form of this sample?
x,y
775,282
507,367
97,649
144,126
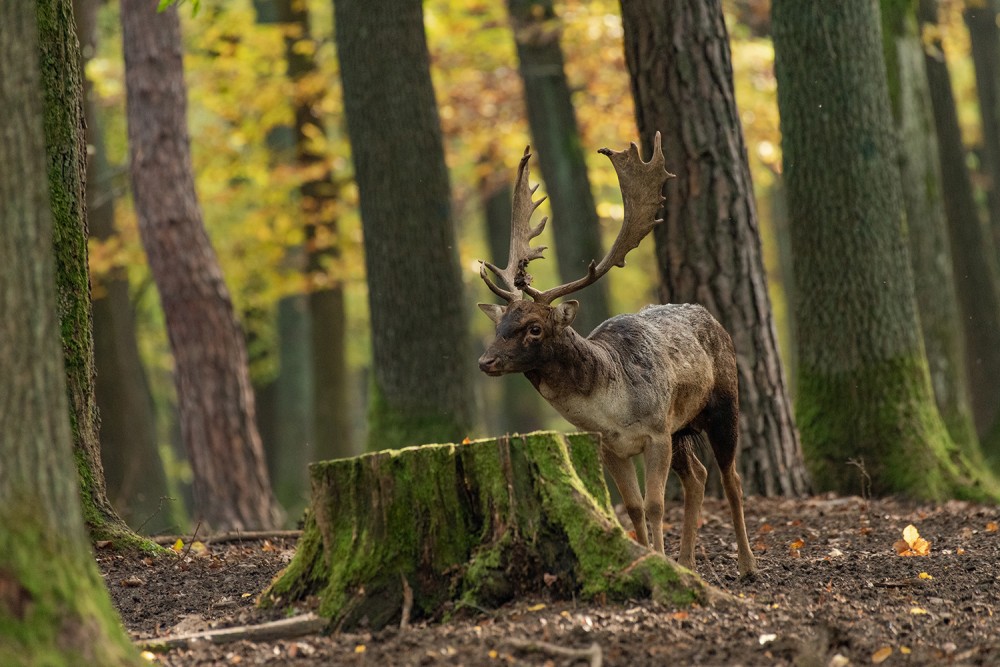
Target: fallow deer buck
x,y
648,382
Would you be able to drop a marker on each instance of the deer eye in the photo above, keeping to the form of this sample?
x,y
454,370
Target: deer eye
x,y
535,330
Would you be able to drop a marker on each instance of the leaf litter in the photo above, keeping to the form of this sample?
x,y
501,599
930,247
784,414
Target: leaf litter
x,y
832,591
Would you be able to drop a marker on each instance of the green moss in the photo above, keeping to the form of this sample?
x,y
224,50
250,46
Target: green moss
x,y
883,415
54,609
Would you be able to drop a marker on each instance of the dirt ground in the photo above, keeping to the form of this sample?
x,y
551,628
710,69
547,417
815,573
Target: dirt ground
x,y
832,591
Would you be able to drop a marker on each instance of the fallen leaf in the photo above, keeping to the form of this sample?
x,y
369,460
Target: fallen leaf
x,y
679,615
537,607
924,575
360,648
132,582
766,639
766,528
905,650
959,551
466,440
549,579
912,544
104,544
918,611
178,545
148,655
991,527
881,655
493,654
797,544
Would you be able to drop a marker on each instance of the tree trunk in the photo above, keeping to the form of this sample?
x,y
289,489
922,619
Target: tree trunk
x,y
132,466
926,224
709,248
971,249
54,609
62,83
422,359
556,139
216,404
319,203
864,387
984,35
474,524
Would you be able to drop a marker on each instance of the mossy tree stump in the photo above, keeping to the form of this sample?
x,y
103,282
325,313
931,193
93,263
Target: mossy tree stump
x,y
474,524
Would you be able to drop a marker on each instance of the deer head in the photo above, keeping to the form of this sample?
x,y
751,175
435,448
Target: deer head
x,y
526,330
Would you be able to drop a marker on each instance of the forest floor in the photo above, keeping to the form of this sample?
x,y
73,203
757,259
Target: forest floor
x,y
832,591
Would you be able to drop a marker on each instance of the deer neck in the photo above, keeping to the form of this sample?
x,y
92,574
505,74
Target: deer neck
x,y
577,366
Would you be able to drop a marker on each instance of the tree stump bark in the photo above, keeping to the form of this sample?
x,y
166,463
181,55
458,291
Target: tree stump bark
x,y
418,531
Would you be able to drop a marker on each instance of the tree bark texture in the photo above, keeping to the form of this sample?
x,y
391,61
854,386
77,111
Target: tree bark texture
x,y
926,224
708,247
477,524
216,403
65,145
556,140
132,467
422,359
864,389
984,35
972,251
331,404
54,609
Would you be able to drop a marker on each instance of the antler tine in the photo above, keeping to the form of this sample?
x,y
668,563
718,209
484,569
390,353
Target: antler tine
x,y
515,277
641,184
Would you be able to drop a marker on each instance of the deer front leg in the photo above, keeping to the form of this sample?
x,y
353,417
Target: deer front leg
x,y
623,472
657,458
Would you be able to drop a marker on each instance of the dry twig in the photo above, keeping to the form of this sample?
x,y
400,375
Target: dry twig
x,y
286,628
592,653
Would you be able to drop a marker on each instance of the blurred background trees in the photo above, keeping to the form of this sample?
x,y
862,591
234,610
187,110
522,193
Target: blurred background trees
x,y
349,324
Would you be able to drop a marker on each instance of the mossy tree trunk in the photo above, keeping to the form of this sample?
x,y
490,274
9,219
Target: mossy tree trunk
x,y
555,139
473,524
708,248
864,386
54,609
65,146
422,360
926,224
971,245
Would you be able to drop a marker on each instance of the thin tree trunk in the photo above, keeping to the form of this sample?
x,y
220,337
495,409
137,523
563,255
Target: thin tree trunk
x,y
864,389
216,404
984,34
971,248
54,609
422,359
132,466
927,226
62,83
708,248
556,139
331,404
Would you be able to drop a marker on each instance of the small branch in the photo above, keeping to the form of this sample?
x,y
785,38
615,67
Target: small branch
x,y
286,628
593,653
193,538
404,622
234,536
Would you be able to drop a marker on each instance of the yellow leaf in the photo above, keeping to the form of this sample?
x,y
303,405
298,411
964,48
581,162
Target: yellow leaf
x,y
493,654
924,575
959,551
466,440
881,655
991,527
360,648
905,650
536,607
148,655
917,611
178,545
797,544
910,534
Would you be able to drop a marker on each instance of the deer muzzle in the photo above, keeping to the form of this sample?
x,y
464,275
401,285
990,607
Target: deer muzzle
x,y
490,364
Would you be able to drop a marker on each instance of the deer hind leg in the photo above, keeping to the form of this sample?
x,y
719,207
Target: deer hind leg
x,y
723,433
623,472
657,459
693,475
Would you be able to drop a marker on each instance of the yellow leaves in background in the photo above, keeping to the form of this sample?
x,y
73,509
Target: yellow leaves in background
x,y
881,655
912,544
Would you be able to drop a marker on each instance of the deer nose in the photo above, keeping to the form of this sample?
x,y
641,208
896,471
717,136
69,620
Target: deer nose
x,y
489,364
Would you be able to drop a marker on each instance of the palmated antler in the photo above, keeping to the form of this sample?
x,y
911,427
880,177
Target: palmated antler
x,y
641,184
515,278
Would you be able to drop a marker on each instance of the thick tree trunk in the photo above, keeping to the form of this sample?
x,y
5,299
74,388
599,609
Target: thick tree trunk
x,y
972,249
216,404
422,359
478,524
926,224
709,248
331,404
556,140
132,467
864,388
54,609
984,34
62,83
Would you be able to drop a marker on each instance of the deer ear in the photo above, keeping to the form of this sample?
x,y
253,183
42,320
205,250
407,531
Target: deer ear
x,y
564,314
493,311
